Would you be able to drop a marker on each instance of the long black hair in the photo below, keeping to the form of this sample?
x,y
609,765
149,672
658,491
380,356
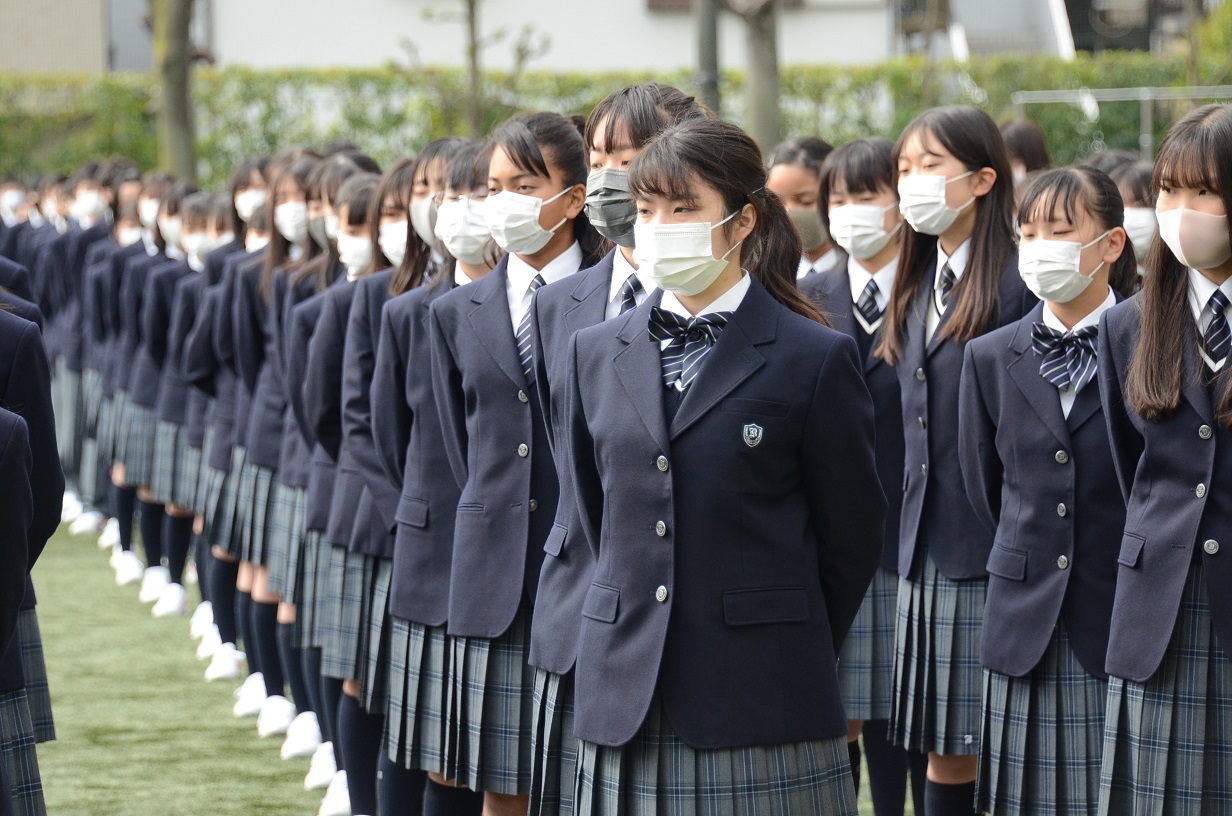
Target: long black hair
x,y
418,257
278,255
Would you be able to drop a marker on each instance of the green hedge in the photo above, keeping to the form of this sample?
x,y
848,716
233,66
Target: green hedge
x,y
56,122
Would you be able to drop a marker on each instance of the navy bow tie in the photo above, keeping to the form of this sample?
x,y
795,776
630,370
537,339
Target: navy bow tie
x,y
691,340
1070,359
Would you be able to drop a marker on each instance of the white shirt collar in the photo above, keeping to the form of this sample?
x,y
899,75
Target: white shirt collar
x,y
1054,323
621,270
521,273
827,261
1200,290
729,301
858,277
460,278
958,261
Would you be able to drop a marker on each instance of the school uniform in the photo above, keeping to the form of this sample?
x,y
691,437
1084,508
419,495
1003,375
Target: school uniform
x,y
866,662
1038,469
1168,741
834,259
126,287
706,665
943,547
146,320
499,453
170,481
16,514
16,278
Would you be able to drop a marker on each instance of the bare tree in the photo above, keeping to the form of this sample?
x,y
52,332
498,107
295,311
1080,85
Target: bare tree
x,y
763,116
173,57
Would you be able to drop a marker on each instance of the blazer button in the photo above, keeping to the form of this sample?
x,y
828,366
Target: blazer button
x,y
924,469
661,594
523,450
1204,431
660,529
522,397
1210,546
1200,491
661,463
1061,511
534,505
1062,457
923,422
1062,563
919,374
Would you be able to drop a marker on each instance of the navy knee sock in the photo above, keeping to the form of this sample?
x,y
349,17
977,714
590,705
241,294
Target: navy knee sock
x,y
310,666
853,757
887,769
398,791
152,533
223,592
202,558
360,739
265,642
293,667
331,698
123,504
177,536
445,800
243,622
942,800
917,762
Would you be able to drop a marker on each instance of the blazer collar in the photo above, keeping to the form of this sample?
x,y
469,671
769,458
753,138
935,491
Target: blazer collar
x,y
493,324
1040,394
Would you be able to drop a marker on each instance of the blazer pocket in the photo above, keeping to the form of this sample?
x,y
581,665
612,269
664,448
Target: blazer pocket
x,y
749,607
556,540
1131,549
741,405
470,507
602,603
412,512
1007,563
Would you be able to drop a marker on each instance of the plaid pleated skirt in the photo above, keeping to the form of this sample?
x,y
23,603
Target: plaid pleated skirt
x,y
278,535
342,612
219,510
417,721
866,661
938,680
656,774
256,511
374,639
1168,742
138,458
17,751
286,575
309,589
34,666
91,399
190,483
168,462
493,688
104,433
67,407
1042,739
201,497
554,775
119,425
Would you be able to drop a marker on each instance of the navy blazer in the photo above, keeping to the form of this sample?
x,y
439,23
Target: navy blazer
x,y
70,313
258,334
409,442
49,276
1175,474
1046,486
735,542
16,516
830,291
935,505
16,278
295,457
157,301
498,450
173,389
322,471
235,268
559,311
22,308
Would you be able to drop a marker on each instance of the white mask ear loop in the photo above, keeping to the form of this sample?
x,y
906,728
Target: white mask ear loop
x,y
971,200
1094,271
549,201
732,248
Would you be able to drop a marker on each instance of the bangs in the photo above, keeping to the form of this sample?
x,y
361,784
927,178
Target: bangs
x,y
1052,194
654,174
1187,162
519,144
466,171
397,183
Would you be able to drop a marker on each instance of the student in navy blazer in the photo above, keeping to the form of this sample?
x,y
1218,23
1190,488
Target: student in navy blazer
x,y
16,514
1168,648
15,278
1039,474
735,514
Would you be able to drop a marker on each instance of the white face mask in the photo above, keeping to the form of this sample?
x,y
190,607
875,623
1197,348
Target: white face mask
x,y
248,202
513,220
462,227
331,226
10,200
1197,239
1051,269
221,240
860,229
423,219
196,244
679,257
254,242
169,227
1140,227
392,238
147,212
51,209
88,206
921,200
291,220
355,253
127,236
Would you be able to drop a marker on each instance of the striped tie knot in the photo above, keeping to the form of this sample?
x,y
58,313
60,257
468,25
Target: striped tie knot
x,y
691,339
525,351
629,290
867,309
945,285
1070,359
1217,337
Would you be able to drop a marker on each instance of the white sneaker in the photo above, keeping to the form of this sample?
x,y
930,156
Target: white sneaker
x,y
190,574
322,769
88,522
227,663
113,559
128,568
209,644
155,580
251,697
277,714
249,681
303,737
201,621
337,801
172,601
110,537
70,507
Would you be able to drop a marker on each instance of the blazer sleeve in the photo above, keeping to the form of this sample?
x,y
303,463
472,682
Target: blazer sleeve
x,y
299,338
156,317
580,465
977,446
392,434
845,498
224,324
323,381
200,366
250,314
1127,443
132,298
543,388
16,516
449,397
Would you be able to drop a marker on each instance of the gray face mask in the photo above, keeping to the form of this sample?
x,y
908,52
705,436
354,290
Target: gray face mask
x,y
610,207
316,228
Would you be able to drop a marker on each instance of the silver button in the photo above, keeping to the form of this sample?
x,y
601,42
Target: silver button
x,y
1200,491
661,594
1204,431
660,529
1061,511
924,469
1062,563
1062,457
522,397
661,463
523,450
919,374
1210,546
923,424
534,505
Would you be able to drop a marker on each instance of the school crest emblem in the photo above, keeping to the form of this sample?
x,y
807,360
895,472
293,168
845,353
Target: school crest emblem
x,y
752,434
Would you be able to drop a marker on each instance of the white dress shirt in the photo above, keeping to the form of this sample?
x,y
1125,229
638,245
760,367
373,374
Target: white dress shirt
x,y
1070,395
822,264
621,270
521,274
958,265
858,277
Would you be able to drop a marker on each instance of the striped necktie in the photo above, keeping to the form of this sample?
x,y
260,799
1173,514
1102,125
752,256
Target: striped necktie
x,y
1215,339
525,352
866,307
629,290
691,340
1070,359
945,284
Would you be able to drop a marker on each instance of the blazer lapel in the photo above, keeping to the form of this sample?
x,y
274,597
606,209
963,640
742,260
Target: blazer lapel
x,y
493,323
640,371
1086,405
1195,389
590,296
1040,394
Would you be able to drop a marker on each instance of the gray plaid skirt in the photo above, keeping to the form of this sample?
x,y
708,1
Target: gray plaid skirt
x,y
289,570
309,589
168,462
91,399
417,725
656,774
278,535
554,776
341,616
119,425
1042,743
67,407
866,661
105,432
34,666
938,680
189,496
493,711
218,518
374,639
141,428
17,751
201,497
1167,748
256,510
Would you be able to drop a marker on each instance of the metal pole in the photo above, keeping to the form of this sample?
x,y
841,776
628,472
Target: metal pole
x,y
708,53
1146,126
